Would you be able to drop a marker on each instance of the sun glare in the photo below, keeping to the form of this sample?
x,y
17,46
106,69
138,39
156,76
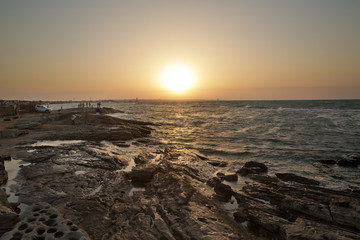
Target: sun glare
x,y
177,77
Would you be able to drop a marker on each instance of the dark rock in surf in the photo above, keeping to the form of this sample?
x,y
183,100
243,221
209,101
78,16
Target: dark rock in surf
x,y
327,161
264,179
290,177
252,168
348,162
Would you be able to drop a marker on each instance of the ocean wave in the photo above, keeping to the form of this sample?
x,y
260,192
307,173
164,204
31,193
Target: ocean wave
x,y
211,151
286,109
316,110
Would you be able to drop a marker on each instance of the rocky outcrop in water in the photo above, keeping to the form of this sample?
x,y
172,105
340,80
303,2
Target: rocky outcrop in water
x,y
276,210
170,193
252,167
173,194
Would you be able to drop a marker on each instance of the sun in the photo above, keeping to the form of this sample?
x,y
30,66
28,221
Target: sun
x,y
178,77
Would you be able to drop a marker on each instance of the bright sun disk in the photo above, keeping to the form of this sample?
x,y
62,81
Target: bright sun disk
x,y
177,77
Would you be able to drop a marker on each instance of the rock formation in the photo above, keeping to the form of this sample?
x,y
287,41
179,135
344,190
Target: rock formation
x,y
161,192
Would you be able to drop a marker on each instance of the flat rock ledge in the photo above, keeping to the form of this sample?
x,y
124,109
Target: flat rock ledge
x,y
42,222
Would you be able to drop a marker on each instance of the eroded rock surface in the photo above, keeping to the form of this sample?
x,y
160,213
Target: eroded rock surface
x,y
41,221
174,201
8,216
277,210
290,177
169,192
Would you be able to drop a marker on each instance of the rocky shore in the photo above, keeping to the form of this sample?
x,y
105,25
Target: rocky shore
x,y
98,173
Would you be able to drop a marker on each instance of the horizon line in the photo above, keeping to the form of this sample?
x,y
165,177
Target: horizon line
x,y
173,100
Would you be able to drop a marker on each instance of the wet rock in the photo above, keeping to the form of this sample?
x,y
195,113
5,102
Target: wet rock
x,y
290,177
28,125
121,144
41,156
240,216
202,157
5,157
292,206
8,217
265,224
264,179
162,227
223,191
346,211
212,182
41,221
348,162
3,173
217,163
231,177
12,133
307,229
252,168
327,161
142,175
144,157
220,175
92,127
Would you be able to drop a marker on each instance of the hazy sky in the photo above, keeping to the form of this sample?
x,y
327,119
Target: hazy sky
x,y
281,49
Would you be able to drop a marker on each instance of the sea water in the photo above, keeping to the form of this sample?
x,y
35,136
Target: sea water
x,y
288,136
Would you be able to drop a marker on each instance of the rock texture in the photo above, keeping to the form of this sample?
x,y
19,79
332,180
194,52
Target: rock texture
x,y
8,217
173,201
3,173
252,168
42,222
277,210
290,177
113,189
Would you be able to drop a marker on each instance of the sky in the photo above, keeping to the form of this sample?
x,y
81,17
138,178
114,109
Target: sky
x,y
237,49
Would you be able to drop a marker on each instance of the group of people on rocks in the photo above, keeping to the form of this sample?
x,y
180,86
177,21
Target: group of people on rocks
x,y
88,104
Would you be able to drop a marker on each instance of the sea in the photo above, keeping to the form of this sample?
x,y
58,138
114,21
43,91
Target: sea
x,y
288,136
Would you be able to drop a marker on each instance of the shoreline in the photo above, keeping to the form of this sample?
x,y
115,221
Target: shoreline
x,y
170,193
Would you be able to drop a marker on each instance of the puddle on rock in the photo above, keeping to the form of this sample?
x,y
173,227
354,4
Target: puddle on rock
x,y
130,152
80,172
231,205
12,167
56,143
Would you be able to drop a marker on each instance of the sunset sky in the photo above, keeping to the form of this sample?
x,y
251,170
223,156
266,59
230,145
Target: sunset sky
x,y
255,49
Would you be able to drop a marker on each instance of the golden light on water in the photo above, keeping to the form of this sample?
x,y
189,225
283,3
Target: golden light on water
x,y
178,77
